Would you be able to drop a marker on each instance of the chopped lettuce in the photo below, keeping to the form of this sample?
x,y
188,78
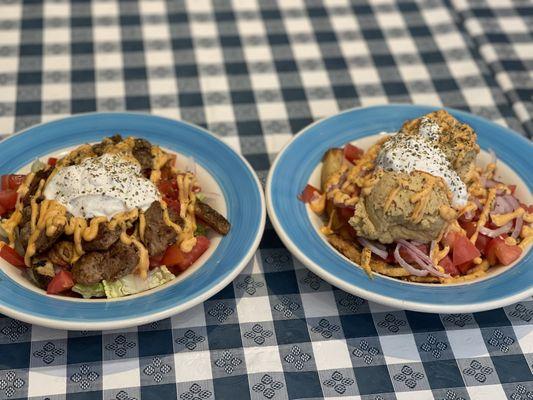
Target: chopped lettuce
x,y
88,291
201,196
37,165
131,284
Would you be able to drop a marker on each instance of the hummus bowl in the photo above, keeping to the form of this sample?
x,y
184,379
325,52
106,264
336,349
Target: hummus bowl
x,y
299,164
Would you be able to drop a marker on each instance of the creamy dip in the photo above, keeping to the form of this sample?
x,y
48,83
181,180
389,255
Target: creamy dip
x,y
101,186
403,153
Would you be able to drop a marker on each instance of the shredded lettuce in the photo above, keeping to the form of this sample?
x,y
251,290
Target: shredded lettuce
x,y
88,291
131,284
201,230
201,196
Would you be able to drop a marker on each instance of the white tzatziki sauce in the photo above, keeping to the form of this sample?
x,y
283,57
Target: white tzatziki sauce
x,y
402,153
101,186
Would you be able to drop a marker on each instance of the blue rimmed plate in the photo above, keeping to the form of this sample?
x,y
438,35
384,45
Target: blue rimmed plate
x,y
223,174
299,164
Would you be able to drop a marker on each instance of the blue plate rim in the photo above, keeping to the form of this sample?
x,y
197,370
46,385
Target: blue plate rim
x,y
80,324
351,287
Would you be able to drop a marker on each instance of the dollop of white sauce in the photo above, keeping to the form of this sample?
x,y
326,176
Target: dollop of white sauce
x,y
406,154
101,186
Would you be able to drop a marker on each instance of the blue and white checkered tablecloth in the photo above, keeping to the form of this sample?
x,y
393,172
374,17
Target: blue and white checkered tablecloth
x,y
255,72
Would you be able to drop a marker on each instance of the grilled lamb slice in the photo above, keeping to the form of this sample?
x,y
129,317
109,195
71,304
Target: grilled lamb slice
x,y
157,235
34,184
212,218
104,239
142,151
120,260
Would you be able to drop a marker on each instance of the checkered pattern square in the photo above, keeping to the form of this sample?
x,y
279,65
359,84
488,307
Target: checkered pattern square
x,y
255,73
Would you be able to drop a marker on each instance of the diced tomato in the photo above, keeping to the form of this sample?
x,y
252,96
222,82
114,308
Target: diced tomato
x,y
168,187
448,266
463,268
308,193
173,204
490,250
61,282
345,213
52,161
469,227
12,181
499,251
2,210
449,238
463,250
11,256
179,261
5,182
16,180
407,257
352,153
482,242
512,188
8,199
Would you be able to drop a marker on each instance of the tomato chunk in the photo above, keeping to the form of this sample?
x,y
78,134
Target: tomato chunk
x,y
499,251
52,161
61,282
345,213
308,193
463,250
482,242
5,182
449,239
469,227
12,181
464,267
11,256
168,187
448,266
8,199
352,153
173,204
176,258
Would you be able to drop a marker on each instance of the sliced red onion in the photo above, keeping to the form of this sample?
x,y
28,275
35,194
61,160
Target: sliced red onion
x,y
489,183
375,248
408,267
343,177
501,206
496,232
422,259
416,250
430,267
517,227
432,247
512,201
476,201
333,187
